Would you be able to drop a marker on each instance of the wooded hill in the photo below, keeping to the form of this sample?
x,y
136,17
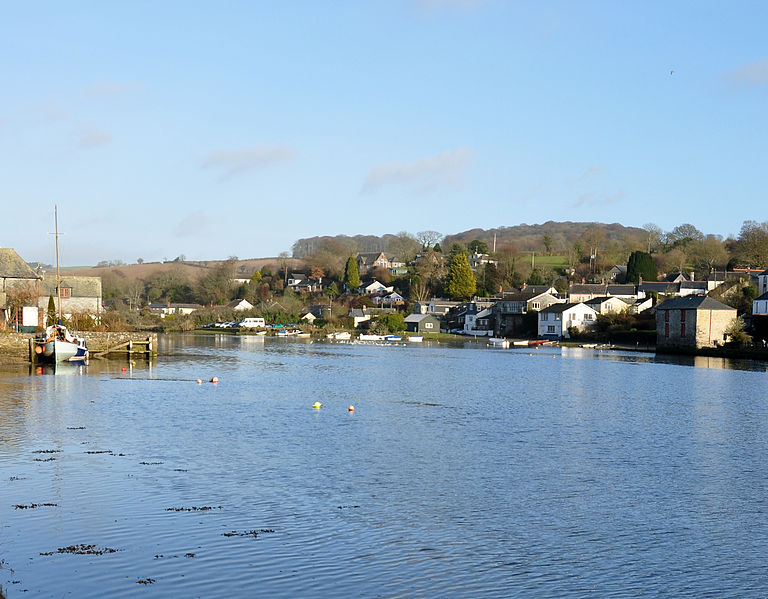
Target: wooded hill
x,y
522,237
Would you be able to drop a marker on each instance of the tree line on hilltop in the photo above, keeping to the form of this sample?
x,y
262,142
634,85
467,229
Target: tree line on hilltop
x,y
439,266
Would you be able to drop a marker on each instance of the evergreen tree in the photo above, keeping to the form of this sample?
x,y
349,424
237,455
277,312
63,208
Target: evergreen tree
x,y
51,315
437,248
461,280
352,274
641,264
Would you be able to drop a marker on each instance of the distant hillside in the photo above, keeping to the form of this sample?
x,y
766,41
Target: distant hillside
x,y
192,270
530,237
523,237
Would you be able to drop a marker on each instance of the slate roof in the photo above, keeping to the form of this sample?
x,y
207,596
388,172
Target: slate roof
x,y
621,290
13,267
560,308
417,317
763,297
605,298
693,302
659,286
81,286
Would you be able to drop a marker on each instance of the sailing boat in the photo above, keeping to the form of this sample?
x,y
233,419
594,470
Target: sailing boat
x,y
57,344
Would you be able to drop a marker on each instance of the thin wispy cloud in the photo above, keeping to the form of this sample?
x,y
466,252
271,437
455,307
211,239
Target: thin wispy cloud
x,y
88,138
590,173
594,199
191,224
445,169
231,163
750,75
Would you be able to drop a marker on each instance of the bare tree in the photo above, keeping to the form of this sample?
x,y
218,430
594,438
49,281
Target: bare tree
x,y
653,237
428,239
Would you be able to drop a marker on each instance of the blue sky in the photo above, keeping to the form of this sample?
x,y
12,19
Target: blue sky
x,y
234,128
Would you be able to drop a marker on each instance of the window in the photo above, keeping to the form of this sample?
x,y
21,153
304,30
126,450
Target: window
x,y
536,305
66,292
551,328
587,317
545,316
427,325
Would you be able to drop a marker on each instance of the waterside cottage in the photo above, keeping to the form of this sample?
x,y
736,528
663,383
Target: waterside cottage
x,y
692,322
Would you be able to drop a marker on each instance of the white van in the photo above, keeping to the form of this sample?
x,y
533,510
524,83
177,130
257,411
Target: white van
x,y
252,323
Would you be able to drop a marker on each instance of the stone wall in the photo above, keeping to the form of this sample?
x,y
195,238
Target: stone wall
x,y
14,347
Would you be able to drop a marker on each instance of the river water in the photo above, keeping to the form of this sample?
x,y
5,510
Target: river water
x,y
462,472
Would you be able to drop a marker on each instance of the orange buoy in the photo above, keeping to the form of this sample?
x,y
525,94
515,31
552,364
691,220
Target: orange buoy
x,y
38,349
199,381
124,369
351,408
214,379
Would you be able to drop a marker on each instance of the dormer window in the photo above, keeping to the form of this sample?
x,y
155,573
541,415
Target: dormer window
x,y
65,292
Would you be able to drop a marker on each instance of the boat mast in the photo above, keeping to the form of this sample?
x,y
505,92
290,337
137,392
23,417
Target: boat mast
x,y
58,274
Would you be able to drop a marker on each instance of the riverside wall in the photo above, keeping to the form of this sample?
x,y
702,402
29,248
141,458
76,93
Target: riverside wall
x,y
14,347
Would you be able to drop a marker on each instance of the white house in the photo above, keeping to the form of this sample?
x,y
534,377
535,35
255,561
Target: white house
x,y
762,282
169,309
555,320
240,305
760,305
608,305
377,287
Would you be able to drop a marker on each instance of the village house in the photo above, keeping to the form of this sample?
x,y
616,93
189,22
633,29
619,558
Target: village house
x,y
359,315
422,323
760,304
436,306
170,309
19,291
239,305
584,292
79,295
477,260
555,320
692,322
390,300
609,305
510,308
471,318
368,261
376,287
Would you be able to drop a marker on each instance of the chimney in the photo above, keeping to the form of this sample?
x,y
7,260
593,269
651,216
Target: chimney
x,y
693,277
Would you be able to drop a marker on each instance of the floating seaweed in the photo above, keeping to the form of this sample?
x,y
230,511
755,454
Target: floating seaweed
x,y
82,549
75,428
248,533
100,451
145,581
32,506
348,507
194,508
150,463
51,459
47,451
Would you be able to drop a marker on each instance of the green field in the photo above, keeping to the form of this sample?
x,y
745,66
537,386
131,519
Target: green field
x,y
554,262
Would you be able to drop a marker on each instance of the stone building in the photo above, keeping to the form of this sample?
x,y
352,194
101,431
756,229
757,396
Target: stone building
x,y
79,295
692,322
19,288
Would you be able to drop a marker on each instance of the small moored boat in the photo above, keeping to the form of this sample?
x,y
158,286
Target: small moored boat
x,y
57,344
